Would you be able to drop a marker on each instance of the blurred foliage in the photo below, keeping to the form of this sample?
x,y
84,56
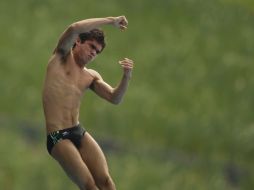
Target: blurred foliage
x,y
187,119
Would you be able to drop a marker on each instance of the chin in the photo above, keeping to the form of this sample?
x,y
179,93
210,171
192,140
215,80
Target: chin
x,y
85,61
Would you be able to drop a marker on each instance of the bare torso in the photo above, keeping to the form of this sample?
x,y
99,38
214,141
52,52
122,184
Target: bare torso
x,y
66,81
65,84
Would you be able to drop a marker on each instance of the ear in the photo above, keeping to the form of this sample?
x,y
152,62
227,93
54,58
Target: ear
x,y
78,41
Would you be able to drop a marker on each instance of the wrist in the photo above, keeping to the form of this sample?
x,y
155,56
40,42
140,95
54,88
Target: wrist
x,y
127,76
111,20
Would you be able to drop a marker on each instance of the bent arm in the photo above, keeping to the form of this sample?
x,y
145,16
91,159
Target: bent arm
x,y
70,35
104,90
120,90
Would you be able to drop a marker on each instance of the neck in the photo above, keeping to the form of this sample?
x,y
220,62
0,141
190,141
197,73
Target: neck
x,y
78,61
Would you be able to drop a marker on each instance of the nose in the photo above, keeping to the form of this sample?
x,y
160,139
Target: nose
x,y
93,52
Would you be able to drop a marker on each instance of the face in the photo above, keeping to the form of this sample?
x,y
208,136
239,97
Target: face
x,y
88,50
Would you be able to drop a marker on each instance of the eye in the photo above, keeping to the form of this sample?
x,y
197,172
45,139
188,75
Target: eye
x,y
94,48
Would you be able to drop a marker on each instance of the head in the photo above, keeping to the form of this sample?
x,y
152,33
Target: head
x,y
89,45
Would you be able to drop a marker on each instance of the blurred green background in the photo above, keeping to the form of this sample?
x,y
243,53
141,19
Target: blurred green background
x,y
187,119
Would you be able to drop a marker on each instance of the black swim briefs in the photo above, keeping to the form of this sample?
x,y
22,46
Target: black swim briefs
x,y
74,134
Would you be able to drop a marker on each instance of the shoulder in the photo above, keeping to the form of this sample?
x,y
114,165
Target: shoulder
x,y
94,74
96,78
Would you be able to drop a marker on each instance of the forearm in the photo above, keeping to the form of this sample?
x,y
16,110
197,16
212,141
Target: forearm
x,y
89,24
71,34
119,91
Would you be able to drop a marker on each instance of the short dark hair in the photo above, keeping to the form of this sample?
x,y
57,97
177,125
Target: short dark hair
x,y
94,34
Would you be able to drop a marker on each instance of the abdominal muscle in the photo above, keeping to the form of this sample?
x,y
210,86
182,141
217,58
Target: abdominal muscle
x,y
62,96
62,110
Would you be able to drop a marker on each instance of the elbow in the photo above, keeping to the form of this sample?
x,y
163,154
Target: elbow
x,y
114,98
73,26
78,27
116,102
71,30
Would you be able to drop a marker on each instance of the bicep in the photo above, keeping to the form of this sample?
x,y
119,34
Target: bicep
x,y
66,41
102,89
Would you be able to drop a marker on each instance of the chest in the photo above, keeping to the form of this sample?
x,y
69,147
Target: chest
x,y
71,79
79,80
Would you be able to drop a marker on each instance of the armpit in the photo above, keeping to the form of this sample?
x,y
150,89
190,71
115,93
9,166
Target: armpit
x,y
62,53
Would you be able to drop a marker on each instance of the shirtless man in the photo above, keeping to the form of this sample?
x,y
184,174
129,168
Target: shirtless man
x,y
67,79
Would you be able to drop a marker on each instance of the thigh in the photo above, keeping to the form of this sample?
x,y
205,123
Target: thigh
x,y
93,157
71,161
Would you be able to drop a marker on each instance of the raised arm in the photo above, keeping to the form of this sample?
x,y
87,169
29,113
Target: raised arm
x,y
70,35
104,90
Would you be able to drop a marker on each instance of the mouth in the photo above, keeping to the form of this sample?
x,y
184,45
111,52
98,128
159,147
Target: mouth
x,y
90,57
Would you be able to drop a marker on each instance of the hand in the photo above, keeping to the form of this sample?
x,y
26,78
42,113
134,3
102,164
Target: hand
x,y
127,65
121,22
